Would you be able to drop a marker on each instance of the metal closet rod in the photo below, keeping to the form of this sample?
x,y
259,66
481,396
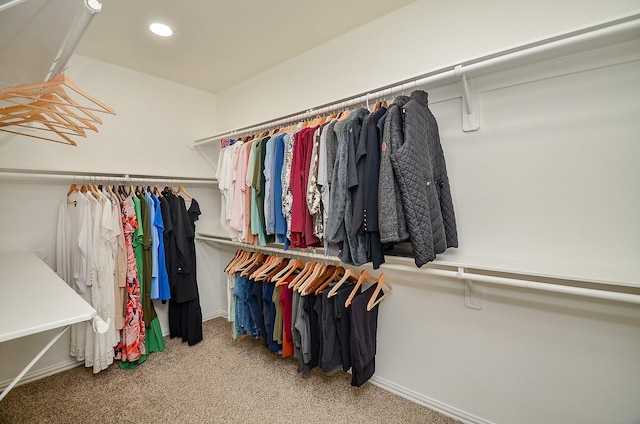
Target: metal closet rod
x,y
609,28
459,273
100,177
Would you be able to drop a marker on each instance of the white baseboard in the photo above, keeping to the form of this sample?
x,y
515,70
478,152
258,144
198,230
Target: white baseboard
x,y
216,314
44,372
428,402
375,380
207,317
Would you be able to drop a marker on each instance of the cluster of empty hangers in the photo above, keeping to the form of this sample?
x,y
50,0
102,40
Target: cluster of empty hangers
x,y
40,109
309,278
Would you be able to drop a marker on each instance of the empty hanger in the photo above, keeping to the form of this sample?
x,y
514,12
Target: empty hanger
x,y
319,279
295,283
349,274
292,266
51,109
338,272
374,299
364,275
59,80
239,254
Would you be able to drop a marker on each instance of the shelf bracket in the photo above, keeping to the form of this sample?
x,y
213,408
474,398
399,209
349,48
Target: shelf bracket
x,y
472,291
470,115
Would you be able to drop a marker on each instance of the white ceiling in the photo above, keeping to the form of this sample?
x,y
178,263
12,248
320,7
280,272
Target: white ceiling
x,y
31,34
218,43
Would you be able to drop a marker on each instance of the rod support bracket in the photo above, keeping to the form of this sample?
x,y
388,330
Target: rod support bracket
x,y
472,290
470,115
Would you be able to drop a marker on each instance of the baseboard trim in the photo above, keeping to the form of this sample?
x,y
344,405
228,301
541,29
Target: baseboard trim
x,y
420,399
375,380
43,372
216,314
207,317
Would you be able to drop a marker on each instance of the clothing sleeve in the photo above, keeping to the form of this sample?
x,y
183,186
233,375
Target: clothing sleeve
x,y
183,255
295,183
352,172
335,231
388,194
312,189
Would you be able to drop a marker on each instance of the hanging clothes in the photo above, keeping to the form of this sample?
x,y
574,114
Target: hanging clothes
x,y
393,229
73,250
185,315
132,336
365,209
161,209
324,183
419,165
345,179
363,340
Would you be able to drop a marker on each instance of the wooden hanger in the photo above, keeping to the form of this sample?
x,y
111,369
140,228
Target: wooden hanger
x,y
274,271
41,111
251,265
310,278
312,286
181,190
59,80
344,114
239,254
56,98
277,262
51,109
292,266
338,272
264,265
246,261
364,275
374,299
73,188
308,267
349,275
45,126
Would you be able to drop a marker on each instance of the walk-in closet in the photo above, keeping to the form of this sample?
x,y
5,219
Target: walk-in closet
x,y
413,212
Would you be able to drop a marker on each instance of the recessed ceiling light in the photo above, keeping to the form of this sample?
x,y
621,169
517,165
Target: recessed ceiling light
x,y
161,29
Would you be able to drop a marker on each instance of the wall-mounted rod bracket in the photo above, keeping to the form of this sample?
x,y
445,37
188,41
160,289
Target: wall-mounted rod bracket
x,y
472,291
470,115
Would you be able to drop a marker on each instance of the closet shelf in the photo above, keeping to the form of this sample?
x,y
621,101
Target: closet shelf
x,y
582,39
68,177
513,273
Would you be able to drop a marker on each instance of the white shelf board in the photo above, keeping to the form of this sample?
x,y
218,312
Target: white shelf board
x,y
34,299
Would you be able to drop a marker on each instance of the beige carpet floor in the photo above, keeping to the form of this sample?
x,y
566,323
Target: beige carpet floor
x,y
217,381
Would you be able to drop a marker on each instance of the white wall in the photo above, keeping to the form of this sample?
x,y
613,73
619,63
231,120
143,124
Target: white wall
x,y
549,180
418,38
155,119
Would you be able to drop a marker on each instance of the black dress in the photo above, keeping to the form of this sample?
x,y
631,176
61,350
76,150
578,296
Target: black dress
x,y
185,315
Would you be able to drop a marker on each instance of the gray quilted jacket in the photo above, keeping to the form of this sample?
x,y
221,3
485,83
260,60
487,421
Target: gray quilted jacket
x,y
344,179
421,173
391,221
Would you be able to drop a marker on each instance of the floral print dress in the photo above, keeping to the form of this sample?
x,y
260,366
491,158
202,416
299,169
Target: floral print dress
x,y
132,340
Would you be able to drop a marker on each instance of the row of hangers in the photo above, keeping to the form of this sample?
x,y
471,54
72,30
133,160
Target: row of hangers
x,y
46,106
317,121
310,277
120,192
